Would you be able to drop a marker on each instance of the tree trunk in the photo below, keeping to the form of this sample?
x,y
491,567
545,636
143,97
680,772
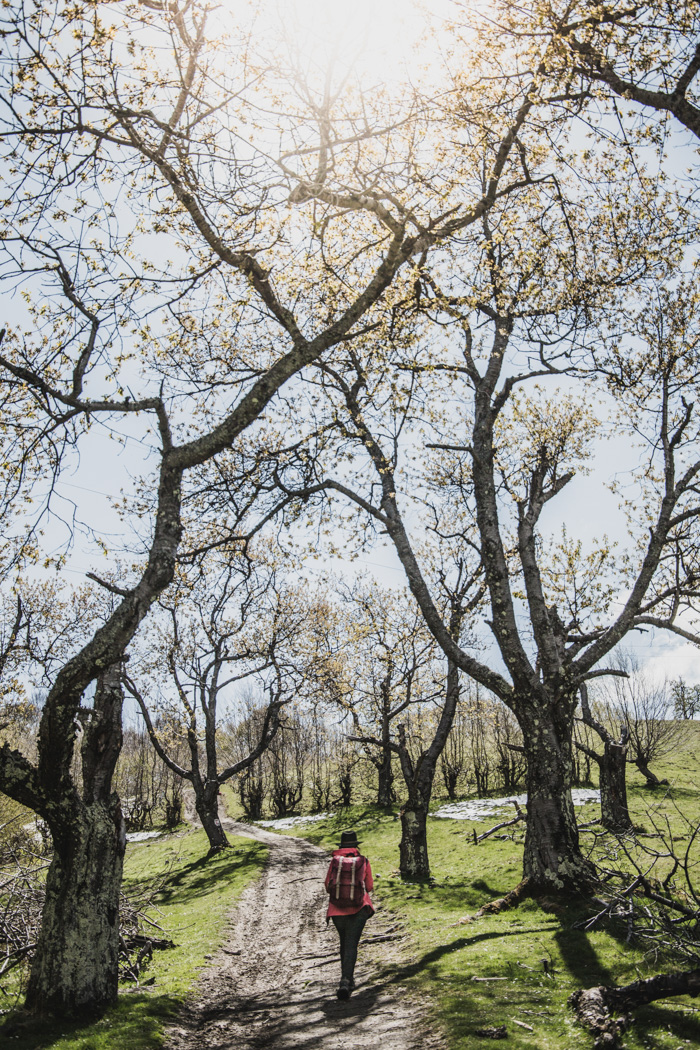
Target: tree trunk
x,y
75,967
651,778
613,788
385,780
252,795
207,805
450,776
419,778
413,848
552,861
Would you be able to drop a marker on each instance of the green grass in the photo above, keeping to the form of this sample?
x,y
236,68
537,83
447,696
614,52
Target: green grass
x,y
539,956
191,907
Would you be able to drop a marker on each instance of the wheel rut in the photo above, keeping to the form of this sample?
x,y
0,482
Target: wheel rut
x,y
272,984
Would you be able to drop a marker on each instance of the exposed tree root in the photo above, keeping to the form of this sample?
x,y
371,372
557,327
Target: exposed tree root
x,y
511,900
594,1007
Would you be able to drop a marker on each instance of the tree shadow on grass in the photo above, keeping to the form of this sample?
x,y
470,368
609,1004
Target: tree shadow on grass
x,y
452,894
682,1026
581,958
204,875
135,1021
408,970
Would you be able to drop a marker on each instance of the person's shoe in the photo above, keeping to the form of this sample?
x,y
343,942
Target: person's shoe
x,y
343,989
352,984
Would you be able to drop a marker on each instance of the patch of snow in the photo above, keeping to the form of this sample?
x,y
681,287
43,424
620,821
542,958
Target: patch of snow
x,y
141,836
292,822
478,808
580,796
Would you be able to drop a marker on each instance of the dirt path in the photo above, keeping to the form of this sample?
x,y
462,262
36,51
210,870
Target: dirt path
x,y
273,983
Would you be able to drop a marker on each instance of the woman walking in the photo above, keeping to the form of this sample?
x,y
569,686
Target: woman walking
x,y
348,882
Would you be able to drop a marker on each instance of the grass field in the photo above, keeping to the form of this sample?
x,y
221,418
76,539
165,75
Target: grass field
x,y
191,906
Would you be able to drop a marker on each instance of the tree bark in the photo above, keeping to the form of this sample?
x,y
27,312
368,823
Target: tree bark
x,y
206,802
413,848
75,968
613,788
552,861
385,780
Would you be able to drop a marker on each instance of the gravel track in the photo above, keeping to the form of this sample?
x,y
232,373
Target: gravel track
x,y
272,985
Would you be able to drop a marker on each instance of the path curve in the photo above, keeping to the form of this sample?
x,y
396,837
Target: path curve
x,y
272,985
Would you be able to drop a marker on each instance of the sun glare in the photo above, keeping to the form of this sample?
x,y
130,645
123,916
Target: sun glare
x,y
377,41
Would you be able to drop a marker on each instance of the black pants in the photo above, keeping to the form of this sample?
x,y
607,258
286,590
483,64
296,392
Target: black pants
x,y
350,929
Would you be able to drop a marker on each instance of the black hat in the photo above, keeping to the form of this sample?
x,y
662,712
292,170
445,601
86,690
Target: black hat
x,y
348,839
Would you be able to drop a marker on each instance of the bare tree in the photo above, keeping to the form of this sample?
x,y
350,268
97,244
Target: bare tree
x,y
454,760
612,768
419,763
234,624
643,706
388,667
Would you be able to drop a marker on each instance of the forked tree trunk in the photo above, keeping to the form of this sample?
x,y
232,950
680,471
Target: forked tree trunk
x,y
612,776
552,861
612,766
75,967
450,776
76,962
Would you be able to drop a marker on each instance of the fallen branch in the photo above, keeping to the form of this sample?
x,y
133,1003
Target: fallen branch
x,y
504,824
594,1007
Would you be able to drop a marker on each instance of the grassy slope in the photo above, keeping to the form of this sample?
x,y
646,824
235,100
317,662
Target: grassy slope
x,y
539,956
191,908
